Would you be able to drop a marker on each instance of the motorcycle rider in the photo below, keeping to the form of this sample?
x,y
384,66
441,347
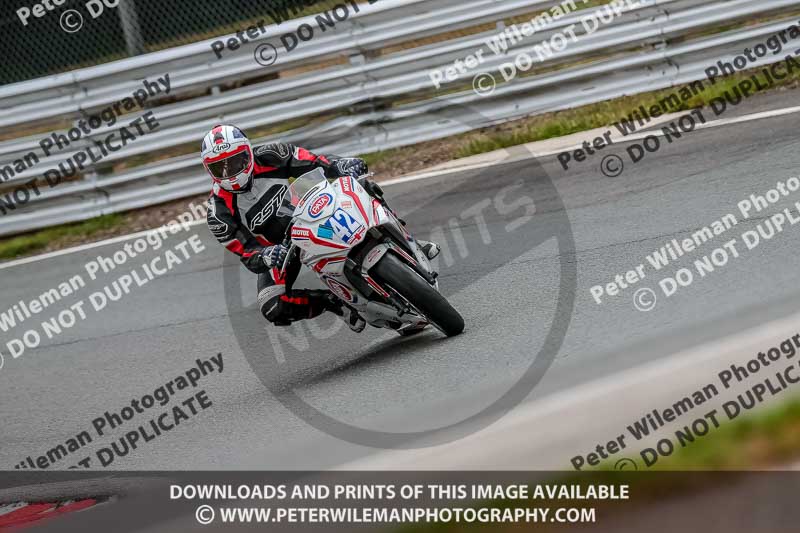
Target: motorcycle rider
x,y
248,188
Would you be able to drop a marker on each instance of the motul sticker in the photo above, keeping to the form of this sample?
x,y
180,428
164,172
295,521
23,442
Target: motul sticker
x,y
301,233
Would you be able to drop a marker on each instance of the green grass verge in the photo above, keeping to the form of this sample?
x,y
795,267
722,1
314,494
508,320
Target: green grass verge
x,y
532,129
38,241
600,115
766,438
385,156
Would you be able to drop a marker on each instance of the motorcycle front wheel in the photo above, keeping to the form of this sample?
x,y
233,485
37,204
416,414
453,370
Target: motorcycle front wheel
x,y
419,293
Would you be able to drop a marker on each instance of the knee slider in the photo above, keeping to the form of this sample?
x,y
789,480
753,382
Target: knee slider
x,y
269,300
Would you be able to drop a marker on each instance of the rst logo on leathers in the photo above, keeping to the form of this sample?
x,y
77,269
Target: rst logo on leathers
x,y
319,205
269,209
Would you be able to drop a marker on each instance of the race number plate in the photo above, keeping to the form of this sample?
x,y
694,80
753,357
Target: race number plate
x,y
345,227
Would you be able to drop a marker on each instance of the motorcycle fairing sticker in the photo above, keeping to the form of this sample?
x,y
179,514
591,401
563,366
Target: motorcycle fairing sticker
x,y
325,231
346,228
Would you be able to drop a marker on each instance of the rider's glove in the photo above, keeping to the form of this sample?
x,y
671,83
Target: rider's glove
x,y
274,256
351,167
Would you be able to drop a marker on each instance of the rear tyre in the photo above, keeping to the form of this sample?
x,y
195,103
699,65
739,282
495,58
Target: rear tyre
x,y
419,294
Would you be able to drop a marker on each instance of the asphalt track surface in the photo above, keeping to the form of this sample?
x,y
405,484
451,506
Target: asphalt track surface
x,y
505,290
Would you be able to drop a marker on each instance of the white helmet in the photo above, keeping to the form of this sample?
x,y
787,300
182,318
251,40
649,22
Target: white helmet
x,y
228,157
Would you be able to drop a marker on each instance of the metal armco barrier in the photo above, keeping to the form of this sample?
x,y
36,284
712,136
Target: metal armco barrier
x,y
349,108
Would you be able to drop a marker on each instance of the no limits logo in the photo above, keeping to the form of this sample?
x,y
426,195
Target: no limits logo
x,y
493,234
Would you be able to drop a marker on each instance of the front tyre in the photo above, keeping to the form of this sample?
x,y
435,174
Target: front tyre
x,y
419,293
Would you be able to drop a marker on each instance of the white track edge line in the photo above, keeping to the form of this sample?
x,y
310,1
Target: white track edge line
x,y
408,179
588,392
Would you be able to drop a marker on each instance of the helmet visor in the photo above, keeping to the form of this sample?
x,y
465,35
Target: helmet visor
x,y
229,167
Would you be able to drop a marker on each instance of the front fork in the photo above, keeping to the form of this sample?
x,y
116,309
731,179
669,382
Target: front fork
x,y
401,234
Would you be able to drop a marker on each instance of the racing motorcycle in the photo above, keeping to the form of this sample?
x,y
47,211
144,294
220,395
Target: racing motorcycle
x,y
362,252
